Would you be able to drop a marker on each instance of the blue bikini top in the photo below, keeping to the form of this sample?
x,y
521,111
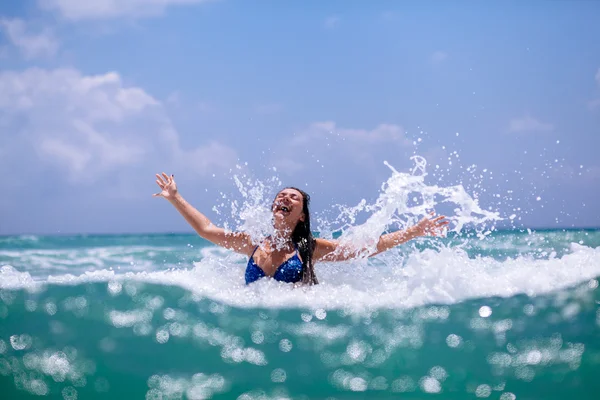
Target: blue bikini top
x,y
289,271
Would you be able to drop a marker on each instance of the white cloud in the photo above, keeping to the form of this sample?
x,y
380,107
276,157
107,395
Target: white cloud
x,y
438,56
30,44
205,158
288,165
379,134
528,124
174,98
595,103
332,22
323,140
91,126
104,9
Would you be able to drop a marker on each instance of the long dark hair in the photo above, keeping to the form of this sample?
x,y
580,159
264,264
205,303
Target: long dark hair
x,y
303,238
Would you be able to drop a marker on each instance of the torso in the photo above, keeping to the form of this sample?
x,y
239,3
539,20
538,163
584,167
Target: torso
x,y
285,266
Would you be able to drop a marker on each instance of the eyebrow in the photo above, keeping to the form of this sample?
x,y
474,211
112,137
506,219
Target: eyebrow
x,y
291,193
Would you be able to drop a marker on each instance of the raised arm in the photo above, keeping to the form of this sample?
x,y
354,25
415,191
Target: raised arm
x,y
237,241
332,250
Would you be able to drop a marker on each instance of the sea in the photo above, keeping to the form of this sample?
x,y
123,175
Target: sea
x,y
481,313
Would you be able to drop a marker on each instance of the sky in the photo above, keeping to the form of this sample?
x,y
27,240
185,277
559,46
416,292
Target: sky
x,y
98,96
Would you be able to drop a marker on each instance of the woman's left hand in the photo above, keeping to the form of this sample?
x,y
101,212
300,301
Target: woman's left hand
x,y
431,227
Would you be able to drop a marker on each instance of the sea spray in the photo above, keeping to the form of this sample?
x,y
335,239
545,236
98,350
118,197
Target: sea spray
x,y
254,216
404,199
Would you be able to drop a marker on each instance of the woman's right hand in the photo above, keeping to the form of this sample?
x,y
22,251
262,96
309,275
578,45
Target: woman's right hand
x,y
167,186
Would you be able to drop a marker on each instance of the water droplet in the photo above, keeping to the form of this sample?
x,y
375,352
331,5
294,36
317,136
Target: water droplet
x,y
485,311
278,375
483,391
285,345
162,336
430,385
453,340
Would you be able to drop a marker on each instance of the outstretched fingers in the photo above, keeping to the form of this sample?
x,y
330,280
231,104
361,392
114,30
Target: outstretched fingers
x,y
439,221
434,225
161,184
165,183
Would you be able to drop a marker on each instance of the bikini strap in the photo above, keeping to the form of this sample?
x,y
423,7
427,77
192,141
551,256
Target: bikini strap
x,y
256,248
254,251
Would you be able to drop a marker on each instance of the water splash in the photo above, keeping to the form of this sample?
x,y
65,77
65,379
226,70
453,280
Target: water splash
x,y
405,198
254,216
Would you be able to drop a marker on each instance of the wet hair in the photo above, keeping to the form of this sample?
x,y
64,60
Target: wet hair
x,y
302,237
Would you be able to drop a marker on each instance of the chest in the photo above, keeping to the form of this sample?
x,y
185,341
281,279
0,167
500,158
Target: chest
x,y
271,261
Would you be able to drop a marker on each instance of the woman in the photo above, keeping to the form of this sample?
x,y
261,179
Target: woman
x,y
290,253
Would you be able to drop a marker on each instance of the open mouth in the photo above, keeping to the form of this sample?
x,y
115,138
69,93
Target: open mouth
x,y
284,209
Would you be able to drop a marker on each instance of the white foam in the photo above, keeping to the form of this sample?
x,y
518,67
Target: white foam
x,y
444,276
40,264
10,278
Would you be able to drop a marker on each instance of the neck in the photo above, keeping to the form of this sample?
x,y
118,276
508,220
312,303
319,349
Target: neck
x,y
282,238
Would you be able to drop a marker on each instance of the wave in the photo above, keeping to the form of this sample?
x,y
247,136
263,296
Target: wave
x,y
394,280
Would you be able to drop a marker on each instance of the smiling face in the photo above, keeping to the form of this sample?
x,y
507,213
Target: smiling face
x,y
288,208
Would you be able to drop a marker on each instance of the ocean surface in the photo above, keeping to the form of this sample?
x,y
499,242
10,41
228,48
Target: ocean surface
x,y
499,315
480,313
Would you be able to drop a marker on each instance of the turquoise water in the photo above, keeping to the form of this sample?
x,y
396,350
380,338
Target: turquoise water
x,y
512,315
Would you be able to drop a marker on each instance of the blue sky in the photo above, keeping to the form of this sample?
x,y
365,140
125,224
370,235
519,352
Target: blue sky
x,y
97,96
